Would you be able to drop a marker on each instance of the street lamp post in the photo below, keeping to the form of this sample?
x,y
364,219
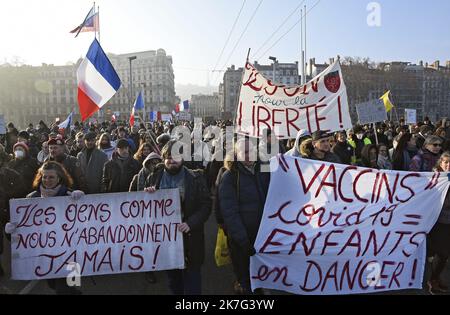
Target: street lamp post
x,y
274,59
131,79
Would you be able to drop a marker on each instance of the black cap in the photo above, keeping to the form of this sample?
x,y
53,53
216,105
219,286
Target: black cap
x,y
319,134
90,136
24,134
122,143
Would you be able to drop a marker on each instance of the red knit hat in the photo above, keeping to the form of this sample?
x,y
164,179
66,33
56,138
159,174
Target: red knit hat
x,y
22,145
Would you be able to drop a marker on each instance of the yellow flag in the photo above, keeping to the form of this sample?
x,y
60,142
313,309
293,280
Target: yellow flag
x,y
387,102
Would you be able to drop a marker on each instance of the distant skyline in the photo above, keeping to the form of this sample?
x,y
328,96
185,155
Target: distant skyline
x,y
194,32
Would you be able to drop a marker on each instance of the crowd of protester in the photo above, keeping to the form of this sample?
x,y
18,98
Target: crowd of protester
x,y
113,157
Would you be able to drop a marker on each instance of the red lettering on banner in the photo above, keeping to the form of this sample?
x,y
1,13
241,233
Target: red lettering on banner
x,y
274,121
301,238
264,273
341,195
357,244
319,119
355,184
402,184
302,179
331,170
275,88
34,216
264,120
253,77
290,120
270,243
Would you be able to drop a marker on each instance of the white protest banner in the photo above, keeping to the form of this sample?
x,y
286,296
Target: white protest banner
x,y
184,116
371,112
411,116
320,104
2,125
338,229
166,117
103,234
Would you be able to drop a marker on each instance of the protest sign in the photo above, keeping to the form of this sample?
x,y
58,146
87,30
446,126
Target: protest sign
x,y
411,116
338,229
2,125
371,112
103,234
185,116
320,104
166,117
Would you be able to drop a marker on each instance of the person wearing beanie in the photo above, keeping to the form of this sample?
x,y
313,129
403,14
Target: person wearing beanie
x,y
71,164
119,172
24,136
24,164
92,161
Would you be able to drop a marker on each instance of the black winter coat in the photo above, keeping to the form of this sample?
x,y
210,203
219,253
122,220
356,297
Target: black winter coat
x,y
242,196
196,209
117,175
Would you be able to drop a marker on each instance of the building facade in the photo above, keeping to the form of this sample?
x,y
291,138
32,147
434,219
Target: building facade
x,y
205,106
285,73
29,94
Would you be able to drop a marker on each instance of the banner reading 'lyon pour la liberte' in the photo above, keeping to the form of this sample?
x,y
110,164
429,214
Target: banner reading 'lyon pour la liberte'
x,y
337,229
103,234
321,104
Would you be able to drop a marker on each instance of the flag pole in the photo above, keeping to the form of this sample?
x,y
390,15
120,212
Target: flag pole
x,y
98,26
95,32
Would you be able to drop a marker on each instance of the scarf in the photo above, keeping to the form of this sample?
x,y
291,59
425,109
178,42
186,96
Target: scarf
x,y
51,192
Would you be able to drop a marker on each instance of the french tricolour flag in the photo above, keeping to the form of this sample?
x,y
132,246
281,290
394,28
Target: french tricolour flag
x,y
98,82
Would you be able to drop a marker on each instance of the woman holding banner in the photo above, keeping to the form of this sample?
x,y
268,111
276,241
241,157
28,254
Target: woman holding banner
x,y
439,236
52,180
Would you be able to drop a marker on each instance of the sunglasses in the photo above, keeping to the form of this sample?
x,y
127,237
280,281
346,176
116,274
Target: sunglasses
x,y
436,145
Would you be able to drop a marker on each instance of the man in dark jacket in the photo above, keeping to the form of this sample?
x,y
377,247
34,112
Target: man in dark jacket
x,y
11,186
322,150
92,161
119,172
242,195
342,149
195,210
56,148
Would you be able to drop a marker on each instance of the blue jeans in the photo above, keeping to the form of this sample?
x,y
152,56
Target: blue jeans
x,y
185,282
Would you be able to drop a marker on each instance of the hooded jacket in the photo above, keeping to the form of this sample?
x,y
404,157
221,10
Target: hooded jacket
x,y
301,136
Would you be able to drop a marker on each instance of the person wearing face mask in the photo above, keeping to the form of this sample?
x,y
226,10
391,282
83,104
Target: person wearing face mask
x,y
195,211
106,146
384,163
119,172
24,164
357,140
427,158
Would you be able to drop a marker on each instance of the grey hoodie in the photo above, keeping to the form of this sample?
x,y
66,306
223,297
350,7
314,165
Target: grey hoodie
x,y
301,135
